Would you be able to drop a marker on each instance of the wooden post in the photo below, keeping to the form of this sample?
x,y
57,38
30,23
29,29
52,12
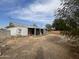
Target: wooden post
x,y
40,31
34,31
44,31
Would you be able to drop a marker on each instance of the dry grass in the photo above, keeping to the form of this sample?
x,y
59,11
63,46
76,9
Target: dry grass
x,y
54,32
37,47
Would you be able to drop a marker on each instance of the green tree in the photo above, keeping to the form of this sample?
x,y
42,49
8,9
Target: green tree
x,y
10,25
59,24
70,13
48,26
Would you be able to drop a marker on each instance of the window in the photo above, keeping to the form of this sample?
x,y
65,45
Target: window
x,y
19,31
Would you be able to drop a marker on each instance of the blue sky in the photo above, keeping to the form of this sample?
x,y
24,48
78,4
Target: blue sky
x,y
40,12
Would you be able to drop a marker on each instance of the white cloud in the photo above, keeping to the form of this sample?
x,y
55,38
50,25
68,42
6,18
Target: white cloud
x,y
38,11
49,6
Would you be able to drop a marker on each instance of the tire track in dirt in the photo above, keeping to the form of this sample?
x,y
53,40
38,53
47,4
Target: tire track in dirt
x,y
44,47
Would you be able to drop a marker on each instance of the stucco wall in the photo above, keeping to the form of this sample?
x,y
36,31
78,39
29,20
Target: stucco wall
x,y
24,32
12,31
15,31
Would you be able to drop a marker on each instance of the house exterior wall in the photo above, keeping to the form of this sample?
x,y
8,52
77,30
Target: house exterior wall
x,y
24,31
13,31
16,31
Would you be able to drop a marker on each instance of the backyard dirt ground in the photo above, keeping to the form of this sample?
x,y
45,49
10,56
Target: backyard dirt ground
x,y
50,46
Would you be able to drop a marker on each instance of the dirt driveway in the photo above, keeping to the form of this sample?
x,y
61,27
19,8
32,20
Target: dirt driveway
x,y
43,47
